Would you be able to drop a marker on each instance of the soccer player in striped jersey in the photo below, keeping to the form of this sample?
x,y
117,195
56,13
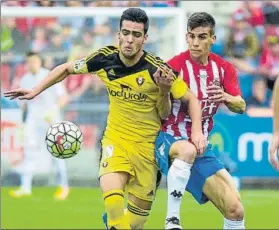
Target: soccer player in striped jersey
x,y
139,98
274,146
214,81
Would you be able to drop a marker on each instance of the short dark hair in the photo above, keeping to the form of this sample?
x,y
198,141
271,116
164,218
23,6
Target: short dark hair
x,y
32,53
135,15
202,19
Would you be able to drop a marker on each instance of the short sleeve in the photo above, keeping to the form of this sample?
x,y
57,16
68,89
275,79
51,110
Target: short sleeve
x,y
175,63
230,83
89,64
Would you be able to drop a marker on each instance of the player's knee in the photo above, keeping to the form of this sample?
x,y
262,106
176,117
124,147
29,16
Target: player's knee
x,y
183,150
235,210
136,216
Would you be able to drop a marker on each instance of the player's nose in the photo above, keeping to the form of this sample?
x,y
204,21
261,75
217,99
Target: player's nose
x,y
130,38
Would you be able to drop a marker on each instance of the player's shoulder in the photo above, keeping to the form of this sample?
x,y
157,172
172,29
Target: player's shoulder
x,y
155,62
183,56
105,52
153,59
220,62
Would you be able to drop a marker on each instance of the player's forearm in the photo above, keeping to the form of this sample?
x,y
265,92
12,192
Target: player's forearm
x,y
235,104
276,107
58,74
164,105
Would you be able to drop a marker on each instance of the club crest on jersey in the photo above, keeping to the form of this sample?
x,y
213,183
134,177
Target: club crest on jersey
x,y
203,74
140,81
79,64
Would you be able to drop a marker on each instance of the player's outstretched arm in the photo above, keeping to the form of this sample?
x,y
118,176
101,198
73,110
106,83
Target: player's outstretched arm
x,y
58,74
274,146
195,113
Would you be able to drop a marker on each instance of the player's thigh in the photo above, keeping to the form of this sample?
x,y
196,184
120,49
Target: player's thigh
x,y
115,166
183,150
222,192
143,184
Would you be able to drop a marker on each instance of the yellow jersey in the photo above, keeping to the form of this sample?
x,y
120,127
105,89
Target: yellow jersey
x,y
132,91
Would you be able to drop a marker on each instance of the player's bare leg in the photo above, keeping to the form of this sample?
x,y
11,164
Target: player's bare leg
x,y
221,191
184,154
112,186
137,211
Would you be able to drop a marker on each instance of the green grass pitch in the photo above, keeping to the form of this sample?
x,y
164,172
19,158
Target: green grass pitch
x,y
84,207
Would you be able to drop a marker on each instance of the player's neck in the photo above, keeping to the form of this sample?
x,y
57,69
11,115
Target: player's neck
x,y
130,62
202,60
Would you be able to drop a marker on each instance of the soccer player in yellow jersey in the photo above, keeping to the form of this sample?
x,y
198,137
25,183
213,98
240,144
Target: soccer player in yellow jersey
x,y
274,146
138,84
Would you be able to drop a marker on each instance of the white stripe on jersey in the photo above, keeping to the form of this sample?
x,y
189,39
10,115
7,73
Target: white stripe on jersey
x,y
215,71
175,109
203,82
182,129
205,128
193,83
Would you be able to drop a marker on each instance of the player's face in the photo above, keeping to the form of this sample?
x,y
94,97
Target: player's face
x,y
131,38
200,41
33,63
274,48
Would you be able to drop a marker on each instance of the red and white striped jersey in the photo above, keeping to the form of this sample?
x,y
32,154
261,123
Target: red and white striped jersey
x,y
198,77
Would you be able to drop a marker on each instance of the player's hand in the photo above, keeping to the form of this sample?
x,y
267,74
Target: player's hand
x,y
21,94
274,151
199,140
215,93
163,78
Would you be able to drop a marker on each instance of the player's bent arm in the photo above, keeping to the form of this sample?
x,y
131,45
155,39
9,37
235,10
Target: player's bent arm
x,y
235,104
194,110
58,74
275,100
164,105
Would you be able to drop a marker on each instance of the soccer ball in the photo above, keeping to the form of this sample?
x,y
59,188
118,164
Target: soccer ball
x,y
63,139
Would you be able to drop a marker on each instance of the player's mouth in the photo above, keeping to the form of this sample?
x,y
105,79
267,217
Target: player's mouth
x,y
196,51
128,49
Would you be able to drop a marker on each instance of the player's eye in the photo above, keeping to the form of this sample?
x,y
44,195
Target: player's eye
x,y
125,32
202,37
191,36
137,34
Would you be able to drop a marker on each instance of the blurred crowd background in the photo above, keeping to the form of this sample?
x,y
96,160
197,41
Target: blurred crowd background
x,y
249,39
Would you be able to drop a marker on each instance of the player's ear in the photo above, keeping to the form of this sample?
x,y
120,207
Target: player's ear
x,y
213,39
186,36
145,38
118,34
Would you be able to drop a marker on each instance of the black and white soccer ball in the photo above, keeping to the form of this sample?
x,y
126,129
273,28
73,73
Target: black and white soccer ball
x,y
64,139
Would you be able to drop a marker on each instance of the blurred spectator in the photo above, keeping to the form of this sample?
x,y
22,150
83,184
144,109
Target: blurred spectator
x,y
261,96
271,12
269,61
40,41
241,48
12,39
242,41
76,23
83,46
126,3
45,3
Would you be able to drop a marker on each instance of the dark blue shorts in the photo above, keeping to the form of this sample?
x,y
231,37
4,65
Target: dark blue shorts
x,y
203,167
